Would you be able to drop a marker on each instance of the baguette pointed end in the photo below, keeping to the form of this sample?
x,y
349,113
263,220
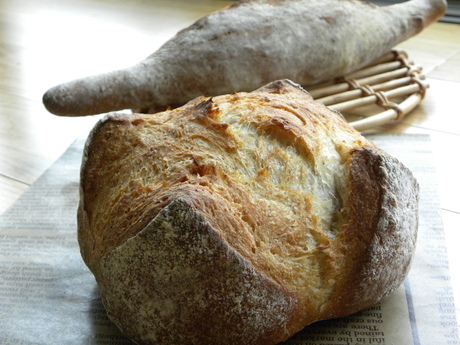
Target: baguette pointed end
x,y
52,104
90,95
60,101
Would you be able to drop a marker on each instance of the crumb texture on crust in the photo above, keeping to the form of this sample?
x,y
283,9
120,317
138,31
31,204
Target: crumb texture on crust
x,y
264,169
282,191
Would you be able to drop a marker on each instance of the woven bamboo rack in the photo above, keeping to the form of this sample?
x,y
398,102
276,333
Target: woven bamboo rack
x,y
383,92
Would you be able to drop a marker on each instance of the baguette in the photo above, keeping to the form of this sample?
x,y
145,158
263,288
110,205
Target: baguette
x,y
242,218
247,45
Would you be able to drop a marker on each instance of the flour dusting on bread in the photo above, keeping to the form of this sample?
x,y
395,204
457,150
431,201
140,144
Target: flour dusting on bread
x,y
256,208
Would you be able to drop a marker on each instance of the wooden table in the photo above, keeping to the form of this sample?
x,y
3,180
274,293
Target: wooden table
x,y
43,43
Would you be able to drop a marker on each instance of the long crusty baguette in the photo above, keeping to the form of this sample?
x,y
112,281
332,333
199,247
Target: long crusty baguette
x,y
247,45
242,218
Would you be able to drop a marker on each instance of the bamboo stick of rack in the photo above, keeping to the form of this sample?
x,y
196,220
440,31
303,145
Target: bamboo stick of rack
x,y
392,82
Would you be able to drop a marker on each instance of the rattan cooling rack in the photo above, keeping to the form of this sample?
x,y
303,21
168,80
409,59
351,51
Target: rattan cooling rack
x,y
381,93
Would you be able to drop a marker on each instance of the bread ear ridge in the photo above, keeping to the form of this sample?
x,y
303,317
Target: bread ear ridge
x,y
373,248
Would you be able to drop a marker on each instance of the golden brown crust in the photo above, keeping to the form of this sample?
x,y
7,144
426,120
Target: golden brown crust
x,y
268,201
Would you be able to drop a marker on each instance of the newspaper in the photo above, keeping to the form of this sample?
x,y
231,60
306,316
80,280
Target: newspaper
x,y
48,296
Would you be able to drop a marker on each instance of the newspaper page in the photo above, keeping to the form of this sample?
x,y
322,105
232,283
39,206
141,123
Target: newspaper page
x,y
48,296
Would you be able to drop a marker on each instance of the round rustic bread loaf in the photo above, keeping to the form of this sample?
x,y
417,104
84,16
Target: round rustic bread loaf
x,y
242,218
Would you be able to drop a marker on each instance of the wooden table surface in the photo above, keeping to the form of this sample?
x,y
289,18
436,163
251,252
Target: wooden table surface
x,y
46,42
